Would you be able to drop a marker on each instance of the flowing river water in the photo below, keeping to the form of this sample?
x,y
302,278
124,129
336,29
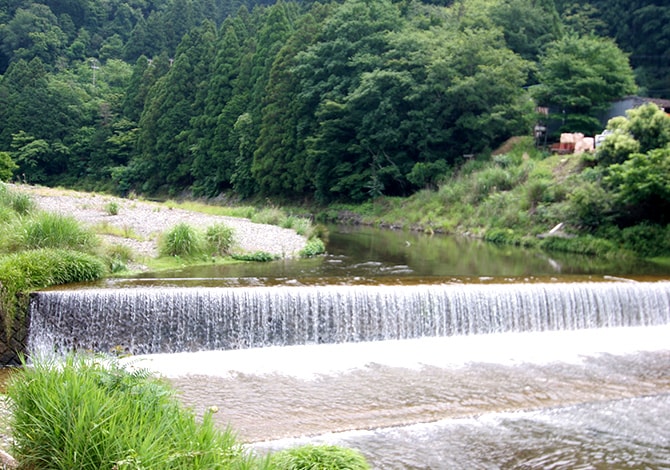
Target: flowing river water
x,y
540,362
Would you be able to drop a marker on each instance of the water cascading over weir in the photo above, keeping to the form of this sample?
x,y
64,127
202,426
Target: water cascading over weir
x,y
167,320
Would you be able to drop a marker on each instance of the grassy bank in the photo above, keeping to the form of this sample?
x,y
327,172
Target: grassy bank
x,y
89,412
517,198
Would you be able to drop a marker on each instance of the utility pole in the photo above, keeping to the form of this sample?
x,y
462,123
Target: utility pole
x,y
94,66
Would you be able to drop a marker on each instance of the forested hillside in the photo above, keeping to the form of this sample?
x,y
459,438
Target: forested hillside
x,y
308,101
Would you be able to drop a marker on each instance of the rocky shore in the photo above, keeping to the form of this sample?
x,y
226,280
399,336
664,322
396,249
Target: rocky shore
x,y
138,224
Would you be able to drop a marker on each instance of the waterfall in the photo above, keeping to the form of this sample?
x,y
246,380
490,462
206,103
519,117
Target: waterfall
x,y
153,320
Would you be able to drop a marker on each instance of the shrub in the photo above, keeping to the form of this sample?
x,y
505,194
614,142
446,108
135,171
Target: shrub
x,y
647,239
313,247
7,166
19,202
590,206
219,239
117,257
182,240
92,413
319,458
52,230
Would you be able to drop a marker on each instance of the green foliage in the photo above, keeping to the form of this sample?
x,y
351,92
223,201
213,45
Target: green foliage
x,y
112,208
53,230
7,166
93,413
270,215
182,240
590,206
647,239
650,126
259,256
580,75
219,239
616,147
319,458
642,183
18,202
585,245
313,247
36,269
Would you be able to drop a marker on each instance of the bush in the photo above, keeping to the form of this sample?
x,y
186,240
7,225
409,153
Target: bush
x,y
92,413
52,230
313,247
647,239
18,202
182,240
590,206
270,216
7,166
319,458
219,239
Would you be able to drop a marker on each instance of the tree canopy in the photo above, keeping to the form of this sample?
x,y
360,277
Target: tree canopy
x,y
344,100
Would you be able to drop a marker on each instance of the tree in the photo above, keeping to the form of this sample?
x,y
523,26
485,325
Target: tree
x,y
643,129
579,76
7,166
642,185
33,32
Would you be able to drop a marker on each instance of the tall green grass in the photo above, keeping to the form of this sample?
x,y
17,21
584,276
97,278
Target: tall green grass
x,y
322,457
29,270
91,413
52,230
182,240
219,239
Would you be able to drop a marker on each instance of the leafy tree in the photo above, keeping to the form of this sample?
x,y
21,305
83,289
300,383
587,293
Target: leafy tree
x,y
33,32
580,76
642,185
7,166
643,129
650,126
528,25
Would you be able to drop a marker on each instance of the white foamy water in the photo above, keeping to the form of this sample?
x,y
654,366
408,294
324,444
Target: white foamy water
x,y
310,361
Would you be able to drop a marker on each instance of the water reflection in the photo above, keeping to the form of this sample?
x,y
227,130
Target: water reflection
x,y
365,255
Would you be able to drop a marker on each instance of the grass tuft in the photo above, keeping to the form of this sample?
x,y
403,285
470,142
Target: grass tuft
x,y
183,241
321,457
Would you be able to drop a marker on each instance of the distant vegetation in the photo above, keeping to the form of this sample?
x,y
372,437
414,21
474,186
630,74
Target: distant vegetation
x,y
306,102
605,208
346,102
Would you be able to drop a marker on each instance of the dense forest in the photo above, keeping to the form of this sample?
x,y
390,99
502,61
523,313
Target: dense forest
x,y
344,100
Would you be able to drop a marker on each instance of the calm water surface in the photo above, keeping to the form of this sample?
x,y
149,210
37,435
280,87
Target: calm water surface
x,y
365,255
